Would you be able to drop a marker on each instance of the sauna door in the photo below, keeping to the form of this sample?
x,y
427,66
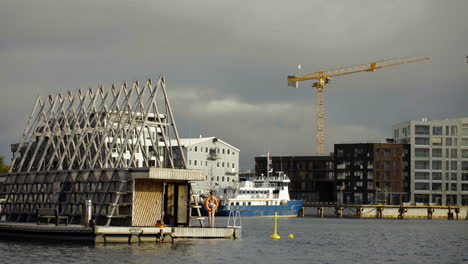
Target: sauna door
x,y
176,204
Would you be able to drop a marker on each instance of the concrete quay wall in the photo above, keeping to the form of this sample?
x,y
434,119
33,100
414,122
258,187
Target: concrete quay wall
x,y
385,211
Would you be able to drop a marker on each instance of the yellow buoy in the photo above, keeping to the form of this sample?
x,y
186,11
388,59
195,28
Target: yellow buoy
x,y
275,235
291,236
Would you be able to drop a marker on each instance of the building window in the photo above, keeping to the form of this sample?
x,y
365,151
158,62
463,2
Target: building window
x,y
190,162
228,151
437,131
453,131
421,186
195,163
464,165
222,178
464,130
422,130
437,176
465,153
423,141
421,152
436,141
453,153
339,153
453,187
437,165
223,151
386,175
464,176
464,187
464,142
370,175
152,163
195,150
217,178
448,142
206,163
233,165
217,164
436,153
421,175
421,165
222,164
453,165
370,185
387,165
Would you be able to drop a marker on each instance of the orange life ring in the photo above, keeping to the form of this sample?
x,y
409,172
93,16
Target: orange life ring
x,y
214,201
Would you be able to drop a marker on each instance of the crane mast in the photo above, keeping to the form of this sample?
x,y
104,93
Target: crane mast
x,y
323,78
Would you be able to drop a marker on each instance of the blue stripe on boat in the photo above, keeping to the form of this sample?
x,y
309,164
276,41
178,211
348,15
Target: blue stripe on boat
x,y
291,209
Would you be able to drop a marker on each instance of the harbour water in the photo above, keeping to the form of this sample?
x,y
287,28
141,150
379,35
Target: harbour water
x,y
316,240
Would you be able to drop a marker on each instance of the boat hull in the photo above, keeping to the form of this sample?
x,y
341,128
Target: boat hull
x,y
291,209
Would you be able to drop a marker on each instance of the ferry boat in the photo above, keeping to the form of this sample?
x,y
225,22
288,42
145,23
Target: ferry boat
x,y
261,196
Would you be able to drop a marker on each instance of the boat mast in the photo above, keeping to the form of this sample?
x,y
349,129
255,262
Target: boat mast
x,y
268,166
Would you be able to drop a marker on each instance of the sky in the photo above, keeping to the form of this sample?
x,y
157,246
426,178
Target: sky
x,y
226,64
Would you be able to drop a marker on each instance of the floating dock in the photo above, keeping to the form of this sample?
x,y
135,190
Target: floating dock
x,y
113,234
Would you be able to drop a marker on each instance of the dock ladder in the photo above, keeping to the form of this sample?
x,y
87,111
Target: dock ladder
x,y
234,215
195,205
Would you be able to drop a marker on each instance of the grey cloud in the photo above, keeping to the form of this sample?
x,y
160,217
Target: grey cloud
x,y
236,56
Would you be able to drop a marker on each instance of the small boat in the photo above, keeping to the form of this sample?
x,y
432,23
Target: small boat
x,y
261,196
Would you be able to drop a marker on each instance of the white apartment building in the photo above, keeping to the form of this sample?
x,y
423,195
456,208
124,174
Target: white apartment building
x,y
219,159
439,159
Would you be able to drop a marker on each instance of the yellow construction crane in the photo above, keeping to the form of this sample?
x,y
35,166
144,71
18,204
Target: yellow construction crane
x,y
323,78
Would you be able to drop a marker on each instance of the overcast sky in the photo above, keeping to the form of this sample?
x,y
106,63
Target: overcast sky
x,y
226,63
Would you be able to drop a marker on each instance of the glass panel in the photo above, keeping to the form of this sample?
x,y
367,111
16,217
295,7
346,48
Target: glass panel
x,y
437,186
437,153
464,141
421,153
464,176
464,153
421,175
422,165
453,130
453,153
448,142
425,141
437,131
421,186
437,176
464,165
422,130
464,130
436,165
